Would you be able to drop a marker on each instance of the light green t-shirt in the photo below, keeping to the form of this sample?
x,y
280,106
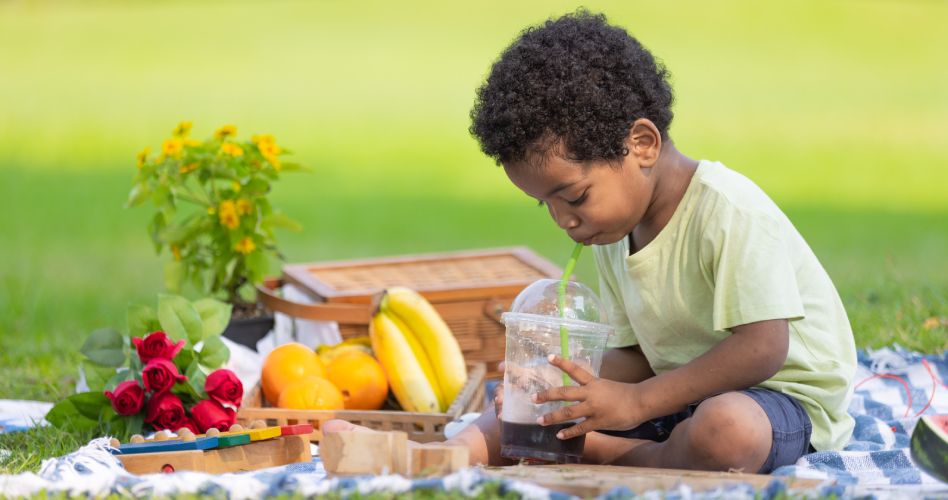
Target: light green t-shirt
x,y
728,257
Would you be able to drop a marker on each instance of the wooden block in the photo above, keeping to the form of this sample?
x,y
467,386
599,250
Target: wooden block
x,y
292,430
260,434
166,446
353,452
438,459
226,440
172,461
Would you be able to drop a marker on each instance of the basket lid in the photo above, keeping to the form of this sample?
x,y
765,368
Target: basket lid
x,y
444,276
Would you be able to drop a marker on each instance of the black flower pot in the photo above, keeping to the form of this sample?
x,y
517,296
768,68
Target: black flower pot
x,y
248,331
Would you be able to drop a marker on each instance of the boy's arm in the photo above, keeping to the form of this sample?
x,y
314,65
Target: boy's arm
x,y
625,364
750,355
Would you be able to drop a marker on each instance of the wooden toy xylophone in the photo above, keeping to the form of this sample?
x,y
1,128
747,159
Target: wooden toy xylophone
x,y
216,452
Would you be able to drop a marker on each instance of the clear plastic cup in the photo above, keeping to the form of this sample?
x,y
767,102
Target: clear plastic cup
x,y
533,333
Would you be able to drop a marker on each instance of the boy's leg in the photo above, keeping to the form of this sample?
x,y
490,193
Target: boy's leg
x,y
728,431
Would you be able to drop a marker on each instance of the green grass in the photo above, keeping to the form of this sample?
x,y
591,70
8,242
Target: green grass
x,y
835,110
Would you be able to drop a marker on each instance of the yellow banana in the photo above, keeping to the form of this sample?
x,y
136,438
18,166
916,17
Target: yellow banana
x,y
409,374
450,371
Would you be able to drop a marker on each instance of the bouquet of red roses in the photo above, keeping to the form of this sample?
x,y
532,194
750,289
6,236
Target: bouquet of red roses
x,y
165,374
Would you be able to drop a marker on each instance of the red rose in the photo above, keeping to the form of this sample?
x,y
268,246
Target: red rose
x,y
210,414
127,398
156,345
160,375
224,387
165,411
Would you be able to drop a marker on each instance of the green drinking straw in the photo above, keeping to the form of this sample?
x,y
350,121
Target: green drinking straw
x,y
564,335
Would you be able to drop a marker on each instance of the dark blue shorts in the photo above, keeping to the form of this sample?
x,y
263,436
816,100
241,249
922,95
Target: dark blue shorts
x,y
790,423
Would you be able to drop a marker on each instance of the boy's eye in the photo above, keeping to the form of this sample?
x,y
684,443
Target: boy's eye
x,y
578,201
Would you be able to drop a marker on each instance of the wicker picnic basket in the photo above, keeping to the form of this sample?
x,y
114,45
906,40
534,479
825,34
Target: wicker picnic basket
x,y
470,290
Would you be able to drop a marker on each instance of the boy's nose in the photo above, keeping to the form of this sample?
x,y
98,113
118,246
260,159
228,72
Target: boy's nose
x,y
566,220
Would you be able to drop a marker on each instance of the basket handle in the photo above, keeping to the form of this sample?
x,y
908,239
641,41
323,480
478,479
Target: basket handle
x,y
350,314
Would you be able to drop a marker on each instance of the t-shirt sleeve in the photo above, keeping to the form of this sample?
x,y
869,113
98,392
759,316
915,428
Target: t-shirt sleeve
x,y
753,274
613,309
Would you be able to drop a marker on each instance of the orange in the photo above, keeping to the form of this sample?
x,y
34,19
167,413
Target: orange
x,y
360,378
311,393
286,364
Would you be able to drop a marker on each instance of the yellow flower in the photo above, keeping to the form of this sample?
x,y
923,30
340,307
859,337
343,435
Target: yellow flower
x,y
172,147
188,168
225,132
263,138
244,206
236,186
269,148
227,214
182,130
245,245
176,252
211,210
189,142
231,149
143,157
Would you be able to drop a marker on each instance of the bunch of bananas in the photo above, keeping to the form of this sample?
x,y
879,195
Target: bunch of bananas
x,y
420,355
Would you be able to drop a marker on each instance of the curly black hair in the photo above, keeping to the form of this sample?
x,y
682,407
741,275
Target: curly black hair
x,y
575,83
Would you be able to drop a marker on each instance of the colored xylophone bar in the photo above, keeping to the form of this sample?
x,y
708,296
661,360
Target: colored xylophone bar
x,y
234,451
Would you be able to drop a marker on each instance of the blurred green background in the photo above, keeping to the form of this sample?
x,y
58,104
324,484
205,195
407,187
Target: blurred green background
x,y
838,109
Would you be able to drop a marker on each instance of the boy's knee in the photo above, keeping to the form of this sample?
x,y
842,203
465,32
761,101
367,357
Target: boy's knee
x,y
730,431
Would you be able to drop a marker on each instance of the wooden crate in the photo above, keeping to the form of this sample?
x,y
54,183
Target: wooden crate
x,y
420,427
469,289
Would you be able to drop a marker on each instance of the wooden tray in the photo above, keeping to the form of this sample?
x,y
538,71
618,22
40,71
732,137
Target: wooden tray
x,y
421,427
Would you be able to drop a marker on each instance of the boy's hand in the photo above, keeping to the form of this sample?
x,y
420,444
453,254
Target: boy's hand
x,y
605,404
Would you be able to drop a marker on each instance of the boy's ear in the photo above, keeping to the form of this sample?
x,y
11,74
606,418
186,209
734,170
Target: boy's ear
x,y
644,142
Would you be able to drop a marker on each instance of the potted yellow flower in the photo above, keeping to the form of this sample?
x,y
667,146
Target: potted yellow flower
x,y
212,215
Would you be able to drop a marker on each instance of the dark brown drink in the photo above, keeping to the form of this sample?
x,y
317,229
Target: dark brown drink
x,y
538,442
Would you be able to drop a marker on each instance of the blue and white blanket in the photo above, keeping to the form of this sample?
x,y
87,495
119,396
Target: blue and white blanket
x,y
893,388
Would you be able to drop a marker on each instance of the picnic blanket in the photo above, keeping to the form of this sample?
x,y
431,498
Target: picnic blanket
x,y
893,388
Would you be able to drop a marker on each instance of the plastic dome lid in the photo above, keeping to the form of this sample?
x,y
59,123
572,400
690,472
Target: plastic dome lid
x,y
539,303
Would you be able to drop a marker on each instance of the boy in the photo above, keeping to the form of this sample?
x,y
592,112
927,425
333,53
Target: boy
x,y
732,348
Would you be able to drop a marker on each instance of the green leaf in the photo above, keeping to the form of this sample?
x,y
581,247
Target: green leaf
x,y
256,187
214,314
256,265
196,379
183,359
214,353
97,376
179,319
161,195
137,195
281,220
105,347
89,404
141,320
117,378
65,416
116,426
155,228
133,425
174,275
